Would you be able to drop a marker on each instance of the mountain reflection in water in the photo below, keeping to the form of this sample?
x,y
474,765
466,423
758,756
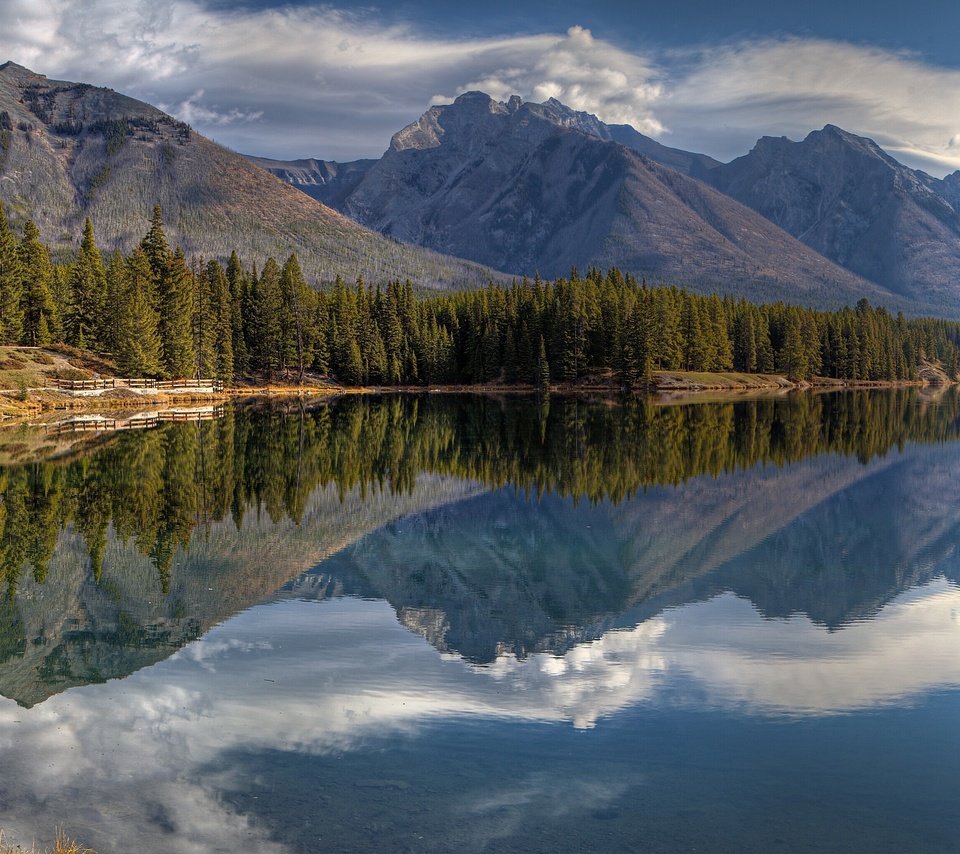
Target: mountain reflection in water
x,y
572,564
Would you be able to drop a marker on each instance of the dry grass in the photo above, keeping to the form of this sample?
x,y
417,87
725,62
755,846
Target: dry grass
x,y
63,845
669,380
35,367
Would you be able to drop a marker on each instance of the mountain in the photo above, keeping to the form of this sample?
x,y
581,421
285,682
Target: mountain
x,y
331,182
326,181
71,150
949,188
683,161
844,197
527,188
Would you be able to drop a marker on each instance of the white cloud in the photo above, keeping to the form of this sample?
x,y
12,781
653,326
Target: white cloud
x,y
195,112
584,73
295,81
790,86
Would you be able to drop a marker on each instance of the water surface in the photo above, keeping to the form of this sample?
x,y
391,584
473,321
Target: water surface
x,y
494,625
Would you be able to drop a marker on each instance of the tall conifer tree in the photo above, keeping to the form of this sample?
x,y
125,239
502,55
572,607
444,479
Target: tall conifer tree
x,y
11,285
239,284
268,310
138,343
85,317
297,344
174,309
221,322
39,311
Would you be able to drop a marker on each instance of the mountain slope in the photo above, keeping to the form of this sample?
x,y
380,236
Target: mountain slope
x,y
70,150
331,182
949,188
539,187
687,162
850,201
326,181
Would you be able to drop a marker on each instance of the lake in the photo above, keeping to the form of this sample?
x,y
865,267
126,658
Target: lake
x,y
487,624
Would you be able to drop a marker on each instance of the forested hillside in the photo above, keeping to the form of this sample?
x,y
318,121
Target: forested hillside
x,y
159,313
70,151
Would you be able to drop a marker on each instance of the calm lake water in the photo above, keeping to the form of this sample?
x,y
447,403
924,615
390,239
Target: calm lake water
x,y
453,623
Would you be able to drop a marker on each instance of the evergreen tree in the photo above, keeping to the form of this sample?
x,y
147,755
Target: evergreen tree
x,y
173,284
543,368
203,320
267,311
85,317
321,323
239,284
298,340
11,285
155,245
116,278
221,316
39,311
170,292
792,357
138,343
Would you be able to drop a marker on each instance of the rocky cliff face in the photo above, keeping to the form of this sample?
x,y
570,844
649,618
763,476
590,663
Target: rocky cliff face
x,y
846,198
949,188
71,150
540,188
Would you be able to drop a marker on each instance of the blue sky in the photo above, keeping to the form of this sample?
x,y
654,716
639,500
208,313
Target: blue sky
x,y
337,80
678,23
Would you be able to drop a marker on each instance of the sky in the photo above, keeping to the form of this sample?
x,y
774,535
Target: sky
x,y
336,80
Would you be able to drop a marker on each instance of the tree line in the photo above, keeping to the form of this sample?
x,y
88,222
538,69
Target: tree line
x,y
155,488
156,313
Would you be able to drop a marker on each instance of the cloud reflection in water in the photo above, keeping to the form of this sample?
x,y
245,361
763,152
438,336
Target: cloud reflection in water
x,y
321,678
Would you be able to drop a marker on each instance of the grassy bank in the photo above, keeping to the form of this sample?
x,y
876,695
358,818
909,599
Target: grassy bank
x,y
28,376
718,381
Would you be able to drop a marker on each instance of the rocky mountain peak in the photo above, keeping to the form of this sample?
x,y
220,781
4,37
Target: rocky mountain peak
x,y
833,136
543,187
476,99
563,116
474,120
845,197
11,68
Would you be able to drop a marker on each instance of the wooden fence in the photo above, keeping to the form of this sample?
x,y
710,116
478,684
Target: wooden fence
x,y
158,385
87,424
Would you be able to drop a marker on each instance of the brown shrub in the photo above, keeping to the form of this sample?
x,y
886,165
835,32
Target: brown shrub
x,y
71,374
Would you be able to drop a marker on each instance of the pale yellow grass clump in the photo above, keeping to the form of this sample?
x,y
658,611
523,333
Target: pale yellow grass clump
x,y
63,845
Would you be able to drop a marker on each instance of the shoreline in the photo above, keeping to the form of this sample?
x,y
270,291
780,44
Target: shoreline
x,y
667,386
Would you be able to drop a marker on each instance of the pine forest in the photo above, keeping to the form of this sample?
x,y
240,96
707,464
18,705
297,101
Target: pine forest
x,y
159,314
